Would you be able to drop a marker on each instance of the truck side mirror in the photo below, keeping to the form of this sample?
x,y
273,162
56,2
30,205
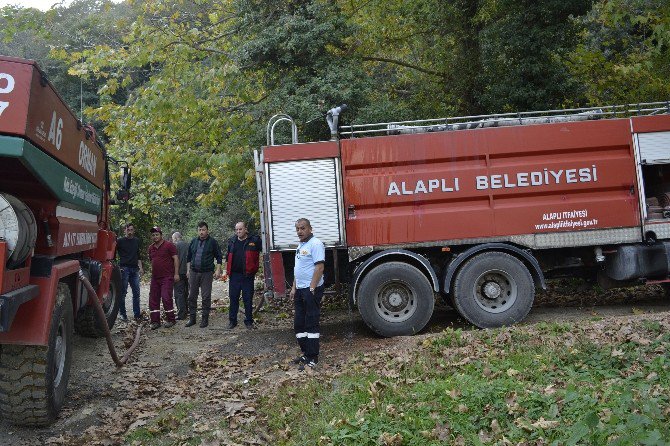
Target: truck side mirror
x,y
125,178
123,194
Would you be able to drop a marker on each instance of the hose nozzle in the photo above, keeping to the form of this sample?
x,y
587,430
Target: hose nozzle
x,y
332,118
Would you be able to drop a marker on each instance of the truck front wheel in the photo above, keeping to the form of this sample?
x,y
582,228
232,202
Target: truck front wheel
x,y
493,289
33,379
396,299
87,322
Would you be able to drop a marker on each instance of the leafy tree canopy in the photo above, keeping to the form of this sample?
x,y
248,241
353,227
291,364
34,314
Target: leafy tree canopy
x,y
183,89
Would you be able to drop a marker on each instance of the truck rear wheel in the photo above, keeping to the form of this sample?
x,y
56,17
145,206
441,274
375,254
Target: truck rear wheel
x,y
33,379
396,299
493,289
87,323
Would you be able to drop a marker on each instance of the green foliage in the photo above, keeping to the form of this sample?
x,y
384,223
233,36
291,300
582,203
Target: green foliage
x,y
624,53
469,57
450,338
179,213
502,386
47,37
182,120
418,56
299,50
176,421
523,45
182,89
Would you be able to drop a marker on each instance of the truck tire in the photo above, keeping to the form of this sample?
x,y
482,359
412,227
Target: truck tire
x,y
87,323
493,289
396,299
33,379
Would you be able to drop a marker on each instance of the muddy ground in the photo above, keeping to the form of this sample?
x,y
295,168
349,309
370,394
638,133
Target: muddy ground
x,y
171,365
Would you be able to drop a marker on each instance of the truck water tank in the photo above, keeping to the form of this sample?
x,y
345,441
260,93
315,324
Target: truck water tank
x,y
18,228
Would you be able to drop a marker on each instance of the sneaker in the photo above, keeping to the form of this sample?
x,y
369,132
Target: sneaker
x,y
140,319
231,326
168,324
181,318
155,325
123,318
300,360
307,365
251,327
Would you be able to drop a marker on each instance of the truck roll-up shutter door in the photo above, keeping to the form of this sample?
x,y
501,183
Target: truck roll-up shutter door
x,y
305,189
654,147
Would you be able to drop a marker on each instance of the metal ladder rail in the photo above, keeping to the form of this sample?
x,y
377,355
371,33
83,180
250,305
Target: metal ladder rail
x,y
524,118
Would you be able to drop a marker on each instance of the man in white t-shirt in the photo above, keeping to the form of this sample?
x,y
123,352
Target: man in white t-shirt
x,y
307,291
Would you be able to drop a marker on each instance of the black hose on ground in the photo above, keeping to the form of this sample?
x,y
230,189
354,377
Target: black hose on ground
x,y
103,320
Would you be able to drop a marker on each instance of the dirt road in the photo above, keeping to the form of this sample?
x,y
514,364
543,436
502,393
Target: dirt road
x,y
216,372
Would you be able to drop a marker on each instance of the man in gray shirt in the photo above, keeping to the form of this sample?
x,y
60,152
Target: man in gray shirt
x,y
181,287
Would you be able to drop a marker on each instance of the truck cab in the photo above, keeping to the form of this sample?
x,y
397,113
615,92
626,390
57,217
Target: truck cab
x,y
54,224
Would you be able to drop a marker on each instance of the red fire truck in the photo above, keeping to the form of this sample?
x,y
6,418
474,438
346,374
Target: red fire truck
x,y
477,209
54,225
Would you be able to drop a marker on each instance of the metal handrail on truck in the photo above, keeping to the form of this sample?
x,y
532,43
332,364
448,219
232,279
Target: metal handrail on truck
x,y
504,119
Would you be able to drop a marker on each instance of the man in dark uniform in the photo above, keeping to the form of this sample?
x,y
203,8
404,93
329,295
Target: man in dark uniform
x,y
128,250
307,291
242,265
201,254
181,286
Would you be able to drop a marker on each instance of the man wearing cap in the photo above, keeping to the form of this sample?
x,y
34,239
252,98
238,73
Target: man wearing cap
x,y
164,273
202,252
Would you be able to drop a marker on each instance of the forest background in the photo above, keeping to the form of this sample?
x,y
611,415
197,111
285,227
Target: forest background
x,y
182,90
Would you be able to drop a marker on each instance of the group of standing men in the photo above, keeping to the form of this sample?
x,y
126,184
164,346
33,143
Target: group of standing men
x,y
180,267
190,266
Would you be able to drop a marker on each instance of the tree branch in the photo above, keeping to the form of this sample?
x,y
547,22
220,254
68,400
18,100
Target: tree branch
x,y
406,65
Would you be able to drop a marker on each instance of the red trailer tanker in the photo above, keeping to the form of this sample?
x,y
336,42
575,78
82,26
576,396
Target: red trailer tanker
x,y
478,209
54,198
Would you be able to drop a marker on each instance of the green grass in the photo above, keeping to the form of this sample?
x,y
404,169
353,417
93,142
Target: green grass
x,y
489,387
170,421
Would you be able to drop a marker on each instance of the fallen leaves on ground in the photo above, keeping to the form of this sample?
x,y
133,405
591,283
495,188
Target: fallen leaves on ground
x,y
217,397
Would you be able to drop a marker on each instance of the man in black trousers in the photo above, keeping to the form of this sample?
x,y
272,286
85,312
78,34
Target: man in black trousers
x,y
181,286
242,261
202,252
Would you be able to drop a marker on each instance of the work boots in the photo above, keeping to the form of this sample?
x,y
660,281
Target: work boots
x,y
205,320
191,320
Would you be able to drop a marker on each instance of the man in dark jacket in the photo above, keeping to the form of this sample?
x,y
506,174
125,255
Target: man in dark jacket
x,y
241,265
202,252
181,286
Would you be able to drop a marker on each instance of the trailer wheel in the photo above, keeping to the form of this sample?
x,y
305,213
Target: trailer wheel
x,y
87,323
493,289
33,379
396,299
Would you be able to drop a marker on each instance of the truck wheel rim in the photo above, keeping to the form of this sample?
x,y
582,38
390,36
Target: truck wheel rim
x,y
60,354
495,291
108,301
395,302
